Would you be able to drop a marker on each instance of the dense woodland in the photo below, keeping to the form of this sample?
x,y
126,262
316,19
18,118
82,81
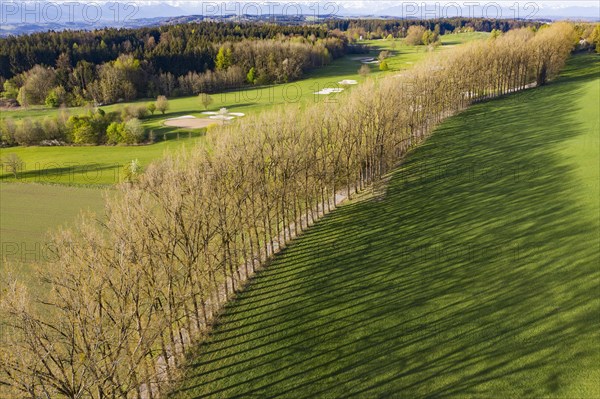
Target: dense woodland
x,y
130,296
177,49
183,48
381,28
106,66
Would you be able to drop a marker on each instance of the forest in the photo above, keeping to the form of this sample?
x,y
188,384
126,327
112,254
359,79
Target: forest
x,y
173,48
380,28
132,295
104,67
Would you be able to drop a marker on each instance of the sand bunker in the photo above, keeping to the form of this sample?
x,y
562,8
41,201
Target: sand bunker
x,y
369,61
223,115
189,122
348,82
328,90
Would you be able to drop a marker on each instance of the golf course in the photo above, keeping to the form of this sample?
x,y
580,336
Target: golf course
x,y
473,273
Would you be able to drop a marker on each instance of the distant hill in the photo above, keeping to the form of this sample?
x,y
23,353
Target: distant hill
x,y
16,20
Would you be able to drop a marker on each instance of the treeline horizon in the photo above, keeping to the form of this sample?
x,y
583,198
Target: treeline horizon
x,y
381,28
188,47
130,296
21,53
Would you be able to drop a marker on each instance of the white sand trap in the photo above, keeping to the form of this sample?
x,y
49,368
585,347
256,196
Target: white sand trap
x,y
348,82
182,117
222,117
328,90
189,122
224,113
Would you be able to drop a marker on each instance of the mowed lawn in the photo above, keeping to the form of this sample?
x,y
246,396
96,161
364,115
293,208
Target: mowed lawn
x,y
476,274
405,56
88,165
29,212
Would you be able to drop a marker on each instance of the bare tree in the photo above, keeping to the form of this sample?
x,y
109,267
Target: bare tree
x,y
162,104
205,100
364,70
13,164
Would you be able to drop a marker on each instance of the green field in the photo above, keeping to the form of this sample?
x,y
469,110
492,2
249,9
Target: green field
x,y
475,274
30,211
89,165
405,57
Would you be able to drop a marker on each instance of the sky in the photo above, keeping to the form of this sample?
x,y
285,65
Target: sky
x,y
373,7
370,7
375,4
93,11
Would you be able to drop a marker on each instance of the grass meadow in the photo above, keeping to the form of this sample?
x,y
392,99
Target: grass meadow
x,y
473,274
31,211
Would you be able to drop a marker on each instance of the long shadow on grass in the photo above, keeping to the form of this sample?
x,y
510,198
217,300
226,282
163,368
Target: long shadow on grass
x,y
48,173
475,276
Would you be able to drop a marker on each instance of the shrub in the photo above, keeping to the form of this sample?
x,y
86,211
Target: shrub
x,y
133,131
81,130
205,100
29,132
251,76
134,111
8,128
54,129
13,164
414,36
56,97
364,70
11,91
151,107
115,133
383,55
429,37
